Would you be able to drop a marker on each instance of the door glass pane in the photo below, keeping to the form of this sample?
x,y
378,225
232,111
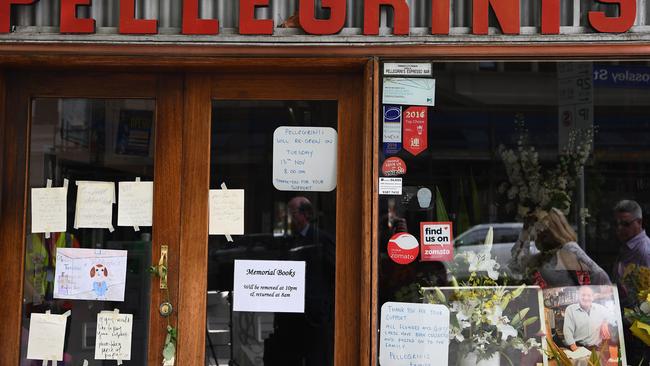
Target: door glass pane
x,y
279,226
109,140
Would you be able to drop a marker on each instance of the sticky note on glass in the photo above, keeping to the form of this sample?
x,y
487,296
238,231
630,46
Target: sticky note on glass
x,y
94,207
135,206
226,212
113,338
49,210
46,337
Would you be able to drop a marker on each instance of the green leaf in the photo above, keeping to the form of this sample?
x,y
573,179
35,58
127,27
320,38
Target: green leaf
x,y
518,291
529,321
169,351
441,211
520,315
440,296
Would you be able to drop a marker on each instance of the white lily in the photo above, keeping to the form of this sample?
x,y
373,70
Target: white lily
x,y
506,331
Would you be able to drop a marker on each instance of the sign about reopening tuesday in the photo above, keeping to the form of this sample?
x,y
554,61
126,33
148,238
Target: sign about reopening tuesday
x,y
437,241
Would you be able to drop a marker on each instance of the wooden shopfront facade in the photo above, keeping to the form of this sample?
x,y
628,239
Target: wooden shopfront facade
x,y
211,80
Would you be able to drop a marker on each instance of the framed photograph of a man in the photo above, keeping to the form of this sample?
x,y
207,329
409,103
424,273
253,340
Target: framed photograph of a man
x,y
586,319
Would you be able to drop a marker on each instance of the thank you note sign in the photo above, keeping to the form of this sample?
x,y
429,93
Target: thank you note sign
x,y
269,286
304,158
414,334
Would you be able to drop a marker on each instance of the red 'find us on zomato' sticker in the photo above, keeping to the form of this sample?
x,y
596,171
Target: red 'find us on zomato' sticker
x,y
403,248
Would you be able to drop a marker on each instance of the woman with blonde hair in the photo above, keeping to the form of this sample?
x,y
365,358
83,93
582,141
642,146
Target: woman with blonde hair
x,y
561,261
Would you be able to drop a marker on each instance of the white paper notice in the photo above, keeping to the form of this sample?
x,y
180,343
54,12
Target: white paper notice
x,y
269,286
409,91
304,158
49,210
135,206
46,336
414,334
90,274
114,331
95,205
390,186
226,212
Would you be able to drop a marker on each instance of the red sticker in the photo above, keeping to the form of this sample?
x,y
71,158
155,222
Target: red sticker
x,y
415,129
403,248
393,167
437,241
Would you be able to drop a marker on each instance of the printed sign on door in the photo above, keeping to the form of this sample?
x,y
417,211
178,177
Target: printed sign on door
x,y
415,129
437,241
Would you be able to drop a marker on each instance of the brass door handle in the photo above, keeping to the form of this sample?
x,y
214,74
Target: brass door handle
x,y
162,267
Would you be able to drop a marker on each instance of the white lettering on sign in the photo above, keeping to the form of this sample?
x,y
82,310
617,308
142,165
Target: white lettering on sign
x,y
269,286
304,158
414,334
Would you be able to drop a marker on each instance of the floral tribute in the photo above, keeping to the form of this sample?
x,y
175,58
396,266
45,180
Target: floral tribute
x,y
532,189
637,280
481,318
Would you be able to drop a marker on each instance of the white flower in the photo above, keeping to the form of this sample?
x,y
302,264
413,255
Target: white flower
x,y
645,307
456,334
506,331
483,261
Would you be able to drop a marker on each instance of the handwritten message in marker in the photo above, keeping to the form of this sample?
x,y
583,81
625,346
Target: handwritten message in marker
x,y
49,210
94,205
113,341
226,212
46,337
414,334
304,158
135,207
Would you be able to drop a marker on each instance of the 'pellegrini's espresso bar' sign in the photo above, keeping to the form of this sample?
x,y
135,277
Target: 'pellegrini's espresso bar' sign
x,y
507,13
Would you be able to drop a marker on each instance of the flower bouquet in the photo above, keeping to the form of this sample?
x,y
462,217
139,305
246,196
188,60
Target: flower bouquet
x,y
637,281
532,189
484,323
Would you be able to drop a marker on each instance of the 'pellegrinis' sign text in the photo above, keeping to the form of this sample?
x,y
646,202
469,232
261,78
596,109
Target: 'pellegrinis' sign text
x,y
507,13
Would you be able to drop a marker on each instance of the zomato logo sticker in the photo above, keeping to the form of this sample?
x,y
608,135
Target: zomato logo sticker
x,y
403,248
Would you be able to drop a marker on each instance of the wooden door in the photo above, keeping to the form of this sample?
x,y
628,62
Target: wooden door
x,y
232,118
90,126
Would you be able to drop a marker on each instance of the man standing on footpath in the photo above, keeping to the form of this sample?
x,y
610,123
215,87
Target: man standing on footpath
x,y
635,248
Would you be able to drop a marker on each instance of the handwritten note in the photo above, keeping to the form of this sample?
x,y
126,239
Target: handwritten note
x,y
49,210
46,336
90,274
269,286
226,212
414,334
114,332
135,206
94,205
304,159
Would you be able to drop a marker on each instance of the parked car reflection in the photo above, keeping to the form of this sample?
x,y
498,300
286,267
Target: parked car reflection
x,y
505,236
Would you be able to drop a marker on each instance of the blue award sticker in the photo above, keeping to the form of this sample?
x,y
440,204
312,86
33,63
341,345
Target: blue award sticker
x,y
392,129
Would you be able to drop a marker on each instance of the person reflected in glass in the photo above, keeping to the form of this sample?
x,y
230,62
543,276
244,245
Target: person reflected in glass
x,y
586,324
635,244
561,261
306,339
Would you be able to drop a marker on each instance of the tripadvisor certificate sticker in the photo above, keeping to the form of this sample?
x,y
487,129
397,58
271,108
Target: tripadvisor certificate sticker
x,y
437,241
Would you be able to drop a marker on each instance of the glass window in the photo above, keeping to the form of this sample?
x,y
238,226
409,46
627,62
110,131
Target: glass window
x,y
540,155
279,226
89,140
